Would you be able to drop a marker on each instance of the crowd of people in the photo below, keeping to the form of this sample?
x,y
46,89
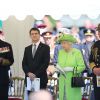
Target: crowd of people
x,y
68,48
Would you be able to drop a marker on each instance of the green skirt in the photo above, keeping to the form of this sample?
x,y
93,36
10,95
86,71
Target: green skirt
x,y
66,92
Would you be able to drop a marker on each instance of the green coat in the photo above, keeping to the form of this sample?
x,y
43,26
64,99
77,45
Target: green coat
x,y
70,59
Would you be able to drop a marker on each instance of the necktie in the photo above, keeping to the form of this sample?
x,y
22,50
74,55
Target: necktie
x,y
34,50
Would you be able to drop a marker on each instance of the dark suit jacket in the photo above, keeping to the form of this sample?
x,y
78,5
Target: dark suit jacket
x,y
38,64
4,78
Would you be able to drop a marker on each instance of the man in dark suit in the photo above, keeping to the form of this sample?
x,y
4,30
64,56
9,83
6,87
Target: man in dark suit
x,y
36,59
6,60
95,64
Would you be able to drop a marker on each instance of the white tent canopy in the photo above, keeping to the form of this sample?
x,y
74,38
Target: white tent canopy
x,y
56,8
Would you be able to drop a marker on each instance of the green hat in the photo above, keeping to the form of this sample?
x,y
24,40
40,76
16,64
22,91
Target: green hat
x,y
67,37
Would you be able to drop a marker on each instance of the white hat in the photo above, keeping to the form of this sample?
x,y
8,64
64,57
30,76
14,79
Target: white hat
x,y
64,30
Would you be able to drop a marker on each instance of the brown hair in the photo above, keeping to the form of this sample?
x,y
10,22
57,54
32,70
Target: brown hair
x,y
34,29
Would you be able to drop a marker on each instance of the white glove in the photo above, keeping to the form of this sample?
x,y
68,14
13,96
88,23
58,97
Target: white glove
x,y
68,69
59,69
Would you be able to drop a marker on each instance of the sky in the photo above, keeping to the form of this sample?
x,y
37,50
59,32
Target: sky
x,y
56,8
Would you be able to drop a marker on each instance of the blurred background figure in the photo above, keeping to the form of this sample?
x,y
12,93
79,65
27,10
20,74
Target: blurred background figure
x,y
75,33
47,37
58,24
50,23
2,35
63,30
97,32
40,95
49,40
87,25
40,25
89,40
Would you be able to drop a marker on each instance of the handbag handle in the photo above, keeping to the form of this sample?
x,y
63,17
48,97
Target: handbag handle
x,y
75,68
75,72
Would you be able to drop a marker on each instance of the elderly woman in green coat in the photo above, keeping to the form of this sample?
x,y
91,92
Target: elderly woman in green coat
x,y
68,59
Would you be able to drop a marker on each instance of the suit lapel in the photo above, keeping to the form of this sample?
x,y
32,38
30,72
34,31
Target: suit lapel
x,y
30,51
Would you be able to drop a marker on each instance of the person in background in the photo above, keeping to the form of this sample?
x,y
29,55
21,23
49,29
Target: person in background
x,y
6,60
97,32
58,26
68,59
41,95
75,33
87,25
95,65
2,37
47,36
36,59
49,40
50,23
86,47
